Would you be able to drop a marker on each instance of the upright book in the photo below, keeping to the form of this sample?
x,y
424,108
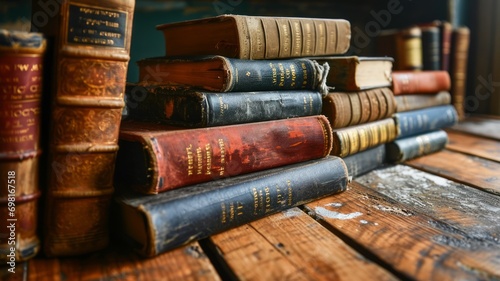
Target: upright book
x,y
90,45
21,81
404,45
192,108
424,120
257,37
458,68
155,158
221,74
154,224
420,82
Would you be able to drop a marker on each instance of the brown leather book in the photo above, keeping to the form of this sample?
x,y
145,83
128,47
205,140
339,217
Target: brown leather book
x,y
420,82
354,139
345,109
458,68
155,158
404,45
90,42
257,37
21,66
353,73
417,101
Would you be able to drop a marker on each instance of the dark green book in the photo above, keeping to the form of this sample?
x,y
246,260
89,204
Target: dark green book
x,y
153,224
415,146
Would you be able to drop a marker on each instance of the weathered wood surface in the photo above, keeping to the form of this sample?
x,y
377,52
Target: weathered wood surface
x,y
186,263
292,246
473,145
485,126
471,170
415,244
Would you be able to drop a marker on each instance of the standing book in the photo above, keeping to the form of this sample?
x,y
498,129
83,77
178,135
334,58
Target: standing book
x,y
89,46
153,224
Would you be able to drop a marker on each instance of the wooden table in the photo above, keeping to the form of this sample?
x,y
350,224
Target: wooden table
x,y
433,218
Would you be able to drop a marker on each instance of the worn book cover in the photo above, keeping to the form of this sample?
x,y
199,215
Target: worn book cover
x,y
424,120
415,146
420,82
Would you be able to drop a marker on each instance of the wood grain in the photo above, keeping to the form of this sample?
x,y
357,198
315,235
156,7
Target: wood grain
x,y
488,127
292,246
470,170
186,263
414,244
474,145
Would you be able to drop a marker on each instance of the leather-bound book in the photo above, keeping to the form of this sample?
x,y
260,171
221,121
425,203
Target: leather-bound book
x,y
458,68
221,74
153,224
420,82
424,120
418,101
345,109
445,32
21,78
257,37
431,48
353,73
192,108
365,161
415,146
155,158
90,49
404,45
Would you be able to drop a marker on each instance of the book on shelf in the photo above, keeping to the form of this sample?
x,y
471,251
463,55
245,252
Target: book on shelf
x,y
90,51
420,82
153,224
354,139
193,108
345,109
356,73
418,101
257,37
431,48
415,146
402,44
155,158
458,68
365,161
445,32
21,83
424,120
222,74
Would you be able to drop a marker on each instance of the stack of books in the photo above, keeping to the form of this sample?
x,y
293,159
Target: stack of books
x,y
227,128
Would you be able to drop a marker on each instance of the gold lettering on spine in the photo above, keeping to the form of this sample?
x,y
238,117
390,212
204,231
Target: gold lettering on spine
x,y
304,73
290,192
208,156
297,33
293,71
267,200
274,73
199,161
255,196
223,212
190,160
282,75
222,148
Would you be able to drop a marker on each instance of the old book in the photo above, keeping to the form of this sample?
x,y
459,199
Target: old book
x,y
353,73
345,109
90,53
458,68
365,161
404,45
418,101
21,76
420,82
431,48
424,120
154,158
415,146
354,139
157,223
192,108
257,37
222,74
445,32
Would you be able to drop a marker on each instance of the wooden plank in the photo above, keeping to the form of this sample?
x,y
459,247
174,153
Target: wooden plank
x,y
484,126
417,245
474,145
470,170
186,263
468,210
292,245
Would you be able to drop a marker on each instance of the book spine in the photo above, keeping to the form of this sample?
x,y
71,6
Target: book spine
x,y
409,49
354,139
446,34
185,157
209,109
365,161
415,146
91,44
413,102
431,48
237,201
458,68
423,82
424,120
21,66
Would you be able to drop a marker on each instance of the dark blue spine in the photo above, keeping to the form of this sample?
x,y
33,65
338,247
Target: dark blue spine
x,y
420,121
365,161
415,146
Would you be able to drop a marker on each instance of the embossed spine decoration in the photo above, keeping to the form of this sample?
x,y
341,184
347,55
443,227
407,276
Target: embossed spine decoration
x,y
91,45
21,63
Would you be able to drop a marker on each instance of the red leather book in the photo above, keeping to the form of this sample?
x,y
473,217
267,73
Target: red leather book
x,y
154,158
420,82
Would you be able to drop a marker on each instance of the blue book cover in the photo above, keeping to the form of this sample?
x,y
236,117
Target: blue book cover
x,y
412,147
420,121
